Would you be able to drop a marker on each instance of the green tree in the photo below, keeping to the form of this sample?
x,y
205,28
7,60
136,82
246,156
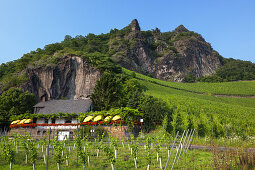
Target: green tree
x,y
15,102
132,93
153,111
180,122
107,92
204,125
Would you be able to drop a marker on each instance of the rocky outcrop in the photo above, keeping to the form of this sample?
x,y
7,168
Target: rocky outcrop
x,y
71,78
167,56
135,25
192,56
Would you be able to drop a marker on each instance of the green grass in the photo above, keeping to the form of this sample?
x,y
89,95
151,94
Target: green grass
x,y
242,88
235,114
166,92
210,141
124,160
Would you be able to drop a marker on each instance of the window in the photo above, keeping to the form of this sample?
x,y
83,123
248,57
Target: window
x,y
68,121
34,120
53,120
38,132
44,132
46,120
71,135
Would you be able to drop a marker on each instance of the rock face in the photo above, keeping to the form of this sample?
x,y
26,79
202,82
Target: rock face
x,y
167,56
71,78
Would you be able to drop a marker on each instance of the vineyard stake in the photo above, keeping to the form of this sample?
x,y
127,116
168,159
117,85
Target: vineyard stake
x,y
77,147
187,141
182,145
191,139
178,149
48,151
171,150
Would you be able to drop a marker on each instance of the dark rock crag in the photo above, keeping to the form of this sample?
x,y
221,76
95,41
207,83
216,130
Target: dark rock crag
x,y
72,78
183,53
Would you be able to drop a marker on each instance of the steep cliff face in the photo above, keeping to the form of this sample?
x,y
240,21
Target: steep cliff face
x,y
71,78
167,56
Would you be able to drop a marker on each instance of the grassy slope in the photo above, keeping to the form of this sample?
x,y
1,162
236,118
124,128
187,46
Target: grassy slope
x,y
124,160
241,88
238,112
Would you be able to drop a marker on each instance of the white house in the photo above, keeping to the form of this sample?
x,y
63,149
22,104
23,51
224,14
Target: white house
x,y
63,126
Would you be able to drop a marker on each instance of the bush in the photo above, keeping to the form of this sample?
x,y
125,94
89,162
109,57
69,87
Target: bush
x,y
189,78
203,125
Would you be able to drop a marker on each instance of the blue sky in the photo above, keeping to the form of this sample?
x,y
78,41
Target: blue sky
x,y
30,24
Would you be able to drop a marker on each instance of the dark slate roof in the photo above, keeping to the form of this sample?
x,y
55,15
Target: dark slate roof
x,y
64,106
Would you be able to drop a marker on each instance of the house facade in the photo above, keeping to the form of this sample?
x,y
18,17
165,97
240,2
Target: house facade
x,y
63,127
59,118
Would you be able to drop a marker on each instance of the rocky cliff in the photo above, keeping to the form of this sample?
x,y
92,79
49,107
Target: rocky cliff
x,y
167,56
57,72
71,78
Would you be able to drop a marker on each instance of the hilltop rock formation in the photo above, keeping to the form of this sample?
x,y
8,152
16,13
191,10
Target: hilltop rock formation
x,y
170,56
167,56
72,78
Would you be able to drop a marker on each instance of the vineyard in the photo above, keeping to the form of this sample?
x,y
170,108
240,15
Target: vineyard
x,y
106,152
217,116
238,88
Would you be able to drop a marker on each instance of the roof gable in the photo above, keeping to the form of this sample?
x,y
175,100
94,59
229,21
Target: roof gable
x,y
64,106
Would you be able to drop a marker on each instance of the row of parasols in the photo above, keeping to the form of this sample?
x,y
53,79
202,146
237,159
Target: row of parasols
x,y
87,119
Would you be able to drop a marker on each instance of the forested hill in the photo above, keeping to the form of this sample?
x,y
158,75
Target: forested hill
x,y
178,55
94,66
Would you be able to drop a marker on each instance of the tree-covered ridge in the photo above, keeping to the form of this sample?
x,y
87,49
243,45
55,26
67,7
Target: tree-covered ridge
x,y
98,49
105,50
232,70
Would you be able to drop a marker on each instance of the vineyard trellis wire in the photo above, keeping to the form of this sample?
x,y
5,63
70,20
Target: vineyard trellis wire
x,y
61,150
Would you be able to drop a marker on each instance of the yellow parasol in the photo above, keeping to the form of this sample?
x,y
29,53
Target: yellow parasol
x,y
87,119
15,122
117,117
107,118
28,121
22,121
97,118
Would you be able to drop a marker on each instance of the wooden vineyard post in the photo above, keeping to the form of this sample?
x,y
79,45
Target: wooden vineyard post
x,y
77,148
47,152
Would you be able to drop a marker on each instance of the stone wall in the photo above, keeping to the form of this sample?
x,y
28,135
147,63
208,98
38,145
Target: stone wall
x,y
36,133
120,132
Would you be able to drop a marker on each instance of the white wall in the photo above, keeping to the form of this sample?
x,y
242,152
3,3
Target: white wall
x,y
40,121
57,127
60,120
75,120
57,120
